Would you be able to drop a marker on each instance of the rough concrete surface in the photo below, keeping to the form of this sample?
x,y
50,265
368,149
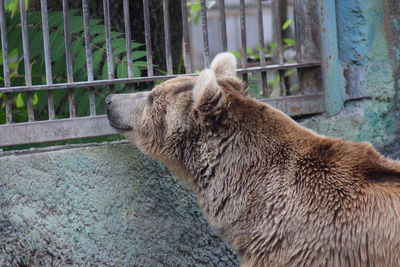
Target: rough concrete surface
x,y
100,206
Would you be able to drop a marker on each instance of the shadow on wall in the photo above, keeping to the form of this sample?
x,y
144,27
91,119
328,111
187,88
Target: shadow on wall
x,y
104,205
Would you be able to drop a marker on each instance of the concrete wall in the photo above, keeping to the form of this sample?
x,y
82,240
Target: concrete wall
x,y
368,44
106,205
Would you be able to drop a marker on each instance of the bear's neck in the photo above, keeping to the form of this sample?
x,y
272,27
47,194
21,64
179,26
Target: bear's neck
x,y
237,174
226,171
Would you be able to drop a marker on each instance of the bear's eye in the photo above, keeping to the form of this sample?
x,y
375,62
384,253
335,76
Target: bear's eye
x,y
150,99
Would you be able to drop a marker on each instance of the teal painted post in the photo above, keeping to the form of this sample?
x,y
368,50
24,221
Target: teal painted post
x,y
332,69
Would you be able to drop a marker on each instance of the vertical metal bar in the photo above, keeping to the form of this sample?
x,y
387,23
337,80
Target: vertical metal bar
x,y
8,108
46,41
277,23
25,47
264,83
47,58
4,45
6,70
167,37
110,64
88,40
205,32
128,38
67,41
68,59
243,37
297,19
223,25
147,34
185,31
89,58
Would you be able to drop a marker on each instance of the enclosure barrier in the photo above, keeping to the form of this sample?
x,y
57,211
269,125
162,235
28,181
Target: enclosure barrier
x,y
308,100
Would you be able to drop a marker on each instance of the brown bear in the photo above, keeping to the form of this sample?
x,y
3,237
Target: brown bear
x,y
280,194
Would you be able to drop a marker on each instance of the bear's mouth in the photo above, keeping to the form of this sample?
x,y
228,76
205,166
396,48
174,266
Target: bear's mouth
x,y
120,126
117,124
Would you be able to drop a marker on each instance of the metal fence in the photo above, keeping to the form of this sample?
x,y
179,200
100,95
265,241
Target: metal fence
x,y
308,100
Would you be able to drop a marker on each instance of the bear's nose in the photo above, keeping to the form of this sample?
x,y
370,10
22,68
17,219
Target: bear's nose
x,y
108,99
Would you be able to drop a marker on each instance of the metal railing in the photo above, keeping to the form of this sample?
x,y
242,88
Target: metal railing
x,y
309,99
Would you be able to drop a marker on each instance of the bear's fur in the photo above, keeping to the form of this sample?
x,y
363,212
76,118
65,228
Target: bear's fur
x,y
279,193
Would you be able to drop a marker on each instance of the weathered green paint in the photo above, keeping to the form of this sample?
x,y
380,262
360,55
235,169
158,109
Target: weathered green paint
x,y
331,66
368,73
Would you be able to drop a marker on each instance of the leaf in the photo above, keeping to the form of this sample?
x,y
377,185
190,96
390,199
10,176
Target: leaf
x,y
194,7
136,71
20,101
79,61
57,49
289,72
35,42
34,18
12,6
76,24
56,20
115,35
98,29
122,70
196,19
14,38
97,58
236,54
138,54
287,23
118,50
137,45
140,64
104,73
77,46
35,99
289,41
13,54
99,39
249,51
59,68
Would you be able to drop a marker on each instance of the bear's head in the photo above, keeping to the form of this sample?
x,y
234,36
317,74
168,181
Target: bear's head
x,y
173,121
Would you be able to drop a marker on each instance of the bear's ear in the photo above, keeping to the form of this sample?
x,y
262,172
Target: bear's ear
x,y
206,91
224,65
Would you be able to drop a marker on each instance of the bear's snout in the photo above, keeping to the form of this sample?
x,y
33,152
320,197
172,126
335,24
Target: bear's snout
x,y
123,110
108,99
113,114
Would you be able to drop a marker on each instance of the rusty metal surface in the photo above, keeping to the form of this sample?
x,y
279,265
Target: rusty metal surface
x,y
206,51
147,35
128,38
147,79
185,32
298,105
47,57
6,70
167,32
94,126
54,130
310,101
224,40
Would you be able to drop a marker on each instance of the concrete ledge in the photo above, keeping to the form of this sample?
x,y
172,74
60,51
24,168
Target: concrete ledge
x,y
106,205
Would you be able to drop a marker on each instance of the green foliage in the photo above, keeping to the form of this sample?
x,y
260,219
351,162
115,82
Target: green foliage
x,y
270,51
287,24
58,61
195,10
